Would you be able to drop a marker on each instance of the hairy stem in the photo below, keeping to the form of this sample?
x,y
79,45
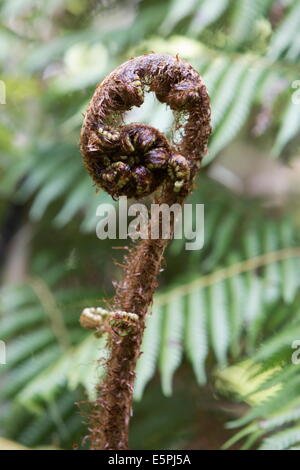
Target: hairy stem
x,y
133,294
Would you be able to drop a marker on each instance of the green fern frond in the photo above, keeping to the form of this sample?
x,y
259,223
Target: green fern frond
x,y
171,343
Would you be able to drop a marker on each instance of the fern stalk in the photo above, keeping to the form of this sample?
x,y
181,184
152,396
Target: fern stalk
x,y
167,167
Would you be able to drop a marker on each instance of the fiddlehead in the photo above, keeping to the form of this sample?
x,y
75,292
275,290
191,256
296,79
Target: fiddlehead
x,y
135,160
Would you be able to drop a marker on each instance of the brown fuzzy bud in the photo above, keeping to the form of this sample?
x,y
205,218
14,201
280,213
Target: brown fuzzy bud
x,y
135,159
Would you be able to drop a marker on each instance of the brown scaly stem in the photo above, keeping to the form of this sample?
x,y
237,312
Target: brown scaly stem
x,y
135,160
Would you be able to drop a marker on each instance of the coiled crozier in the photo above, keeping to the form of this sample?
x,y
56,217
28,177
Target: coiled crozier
x,y
135,159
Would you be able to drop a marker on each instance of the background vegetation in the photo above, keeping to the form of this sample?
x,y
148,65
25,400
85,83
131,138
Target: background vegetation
x,y
217,351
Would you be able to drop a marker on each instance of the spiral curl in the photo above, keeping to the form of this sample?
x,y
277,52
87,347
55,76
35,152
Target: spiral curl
x,y
136,159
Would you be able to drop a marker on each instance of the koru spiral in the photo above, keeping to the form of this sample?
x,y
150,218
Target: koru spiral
x,y
136,159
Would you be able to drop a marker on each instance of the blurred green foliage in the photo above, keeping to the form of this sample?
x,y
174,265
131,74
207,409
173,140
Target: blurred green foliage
x,y
214,309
